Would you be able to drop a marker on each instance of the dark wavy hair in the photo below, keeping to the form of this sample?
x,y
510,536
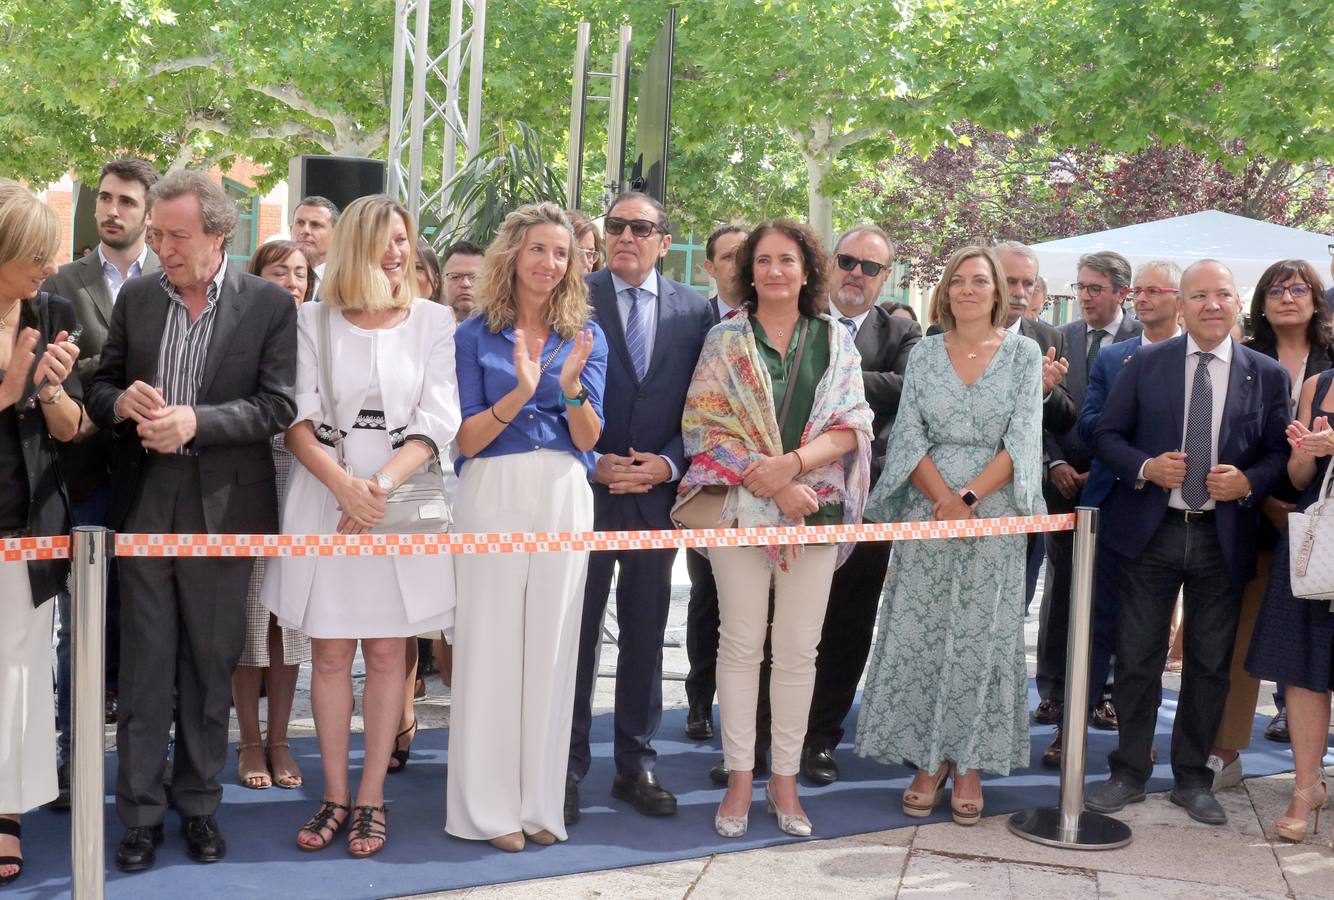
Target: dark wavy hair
x,y
812,301
272,252
1319,331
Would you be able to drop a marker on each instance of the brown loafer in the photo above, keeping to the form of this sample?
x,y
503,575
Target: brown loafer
x,y
1052,758
1048,713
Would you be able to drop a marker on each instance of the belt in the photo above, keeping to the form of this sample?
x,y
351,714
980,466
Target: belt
x,y
1192,516
13,533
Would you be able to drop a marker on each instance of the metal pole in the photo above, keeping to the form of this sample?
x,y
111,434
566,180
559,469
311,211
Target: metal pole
x,y
1070,825
91,548
574,178
420,64
397,183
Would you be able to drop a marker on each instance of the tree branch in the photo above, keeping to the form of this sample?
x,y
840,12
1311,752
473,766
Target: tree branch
x,y
205,61
839,142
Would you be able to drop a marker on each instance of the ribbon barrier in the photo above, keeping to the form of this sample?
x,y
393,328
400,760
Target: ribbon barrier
x,y
91,549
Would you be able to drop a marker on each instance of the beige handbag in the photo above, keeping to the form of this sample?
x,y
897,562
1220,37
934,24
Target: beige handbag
x,y
705,506
1311,546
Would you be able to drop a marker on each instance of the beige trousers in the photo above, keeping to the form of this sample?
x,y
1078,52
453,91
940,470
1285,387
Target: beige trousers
x,y
800,596
1244,692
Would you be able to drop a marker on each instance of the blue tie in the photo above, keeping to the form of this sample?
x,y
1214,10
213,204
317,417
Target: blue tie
x,y
635,339
1199,435
849,324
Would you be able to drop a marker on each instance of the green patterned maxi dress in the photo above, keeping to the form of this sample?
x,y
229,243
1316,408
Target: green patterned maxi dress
x,y
947,679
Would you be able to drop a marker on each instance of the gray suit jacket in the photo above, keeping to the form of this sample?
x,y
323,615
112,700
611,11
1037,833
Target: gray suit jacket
x,y
884,341
247,395
1069,446
86,465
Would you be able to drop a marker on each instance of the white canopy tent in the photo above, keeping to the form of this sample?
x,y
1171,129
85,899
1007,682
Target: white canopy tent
x,y
1247,246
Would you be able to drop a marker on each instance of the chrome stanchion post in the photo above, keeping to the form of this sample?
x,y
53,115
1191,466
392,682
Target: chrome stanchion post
x,y
91,550
1070,825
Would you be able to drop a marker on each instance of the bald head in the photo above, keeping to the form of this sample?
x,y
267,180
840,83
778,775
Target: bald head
x,y
1209,302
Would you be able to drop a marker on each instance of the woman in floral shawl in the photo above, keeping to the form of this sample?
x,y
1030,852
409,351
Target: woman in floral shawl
x,y
809,466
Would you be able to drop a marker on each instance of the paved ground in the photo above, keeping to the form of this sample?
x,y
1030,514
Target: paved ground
x,y
1170,857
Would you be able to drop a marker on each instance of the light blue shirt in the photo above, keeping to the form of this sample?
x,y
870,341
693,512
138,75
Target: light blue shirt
x,y
111,275
648,306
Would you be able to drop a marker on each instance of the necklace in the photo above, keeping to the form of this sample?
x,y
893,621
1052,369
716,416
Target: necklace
x,y
972,354
4,322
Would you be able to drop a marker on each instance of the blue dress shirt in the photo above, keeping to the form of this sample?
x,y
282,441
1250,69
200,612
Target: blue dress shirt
x,y
485,365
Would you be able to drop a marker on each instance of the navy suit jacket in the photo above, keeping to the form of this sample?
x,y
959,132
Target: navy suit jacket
x,y
1105,369
1068,445
1145,416
647,415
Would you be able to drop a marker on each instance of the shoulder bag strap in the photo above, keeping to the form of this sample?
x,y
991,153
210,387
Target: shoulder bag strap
x,y
791,378
326,380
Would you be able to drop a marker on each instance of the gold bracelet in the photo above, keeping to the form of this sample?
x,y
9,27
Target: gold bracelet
x,y
55,398
801,463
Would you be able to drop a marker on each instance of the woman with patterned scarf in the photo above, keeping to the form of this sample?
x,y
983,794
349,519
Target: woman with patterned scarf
x,y
776,417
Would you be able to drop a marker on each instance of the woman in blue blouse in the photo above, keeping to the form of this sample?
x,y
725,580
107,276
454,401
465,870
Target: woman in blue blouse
x,y
531,371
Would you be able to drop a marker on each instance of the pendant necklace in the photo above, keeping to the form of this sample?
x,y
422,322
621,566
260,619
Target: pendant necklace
x,y
4,322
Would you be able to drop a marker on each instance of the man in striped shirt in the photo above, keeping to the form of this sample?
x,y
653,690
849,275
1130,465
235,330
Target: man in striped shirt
x,y
196,375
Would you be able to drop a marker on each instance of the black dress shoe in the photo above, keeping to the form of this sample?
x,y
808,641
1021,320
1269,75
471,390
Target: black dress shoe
x,y
1048,713
720,773
1277,729
61,803
1103,716
699,723
818,765
136,849
203,839
1200,805
644,793
1052,758
571,801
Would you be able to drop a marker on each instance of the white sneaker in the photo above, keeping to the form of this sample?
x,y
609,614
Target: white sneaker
x,y
1225,776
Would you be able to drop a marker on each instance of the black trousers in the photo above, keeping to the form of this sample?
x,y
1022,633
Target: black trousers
x,y
1106,599
1179,555
1037,551
845,641
182,631
702,620
643,596
1054,616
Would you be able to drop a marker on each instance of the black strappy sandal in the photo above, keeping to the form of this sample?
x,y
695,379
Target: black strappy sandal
x,y
401,756
365,828
13,828
324,818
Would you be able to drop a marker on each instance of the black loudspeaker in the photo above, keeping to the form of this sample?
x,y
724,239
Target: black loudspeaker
x,y
341,179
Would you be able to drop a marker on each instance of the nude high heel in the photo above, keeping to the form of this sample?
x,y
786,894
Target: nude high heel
x,y
919,804
965,812
1293,829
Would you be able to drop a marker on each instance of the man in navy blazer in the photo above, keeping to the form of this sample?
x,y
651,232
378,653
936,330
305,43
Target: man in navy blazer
x,y
655,328
1194,432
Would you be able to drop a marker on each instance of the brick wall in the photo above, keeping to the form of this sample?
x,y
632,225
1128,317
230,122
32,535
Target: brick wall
x,y
63,203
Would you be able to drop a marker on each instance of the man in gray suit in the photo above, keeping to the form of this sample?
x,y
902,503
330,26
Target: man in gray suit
x,y
196,376
92,283
1102,285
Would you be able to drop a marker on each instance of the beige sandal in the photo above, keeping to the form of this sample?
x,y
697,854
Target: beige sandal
x,y
246,776
287,779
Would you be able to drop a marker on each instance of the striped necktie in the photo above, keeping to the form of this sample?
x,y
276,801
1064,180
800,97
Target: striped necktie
x,y
849,324
636,340
1199,435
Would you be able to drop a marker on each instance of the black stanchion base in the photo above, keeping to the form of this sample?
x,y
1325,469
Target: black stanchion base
x,y
1095,832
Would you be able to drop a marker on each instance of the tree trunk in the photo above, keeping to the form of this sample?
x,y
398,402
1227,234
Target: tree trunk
x,y
819,153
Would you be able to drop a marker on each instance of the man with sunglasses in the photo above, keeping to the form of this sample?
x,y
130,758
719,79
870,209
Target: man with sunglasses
x,y
864,257
656,328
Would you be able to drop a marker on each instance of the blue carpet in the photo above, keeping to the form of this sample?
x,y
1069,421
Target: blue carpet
x,y
260,826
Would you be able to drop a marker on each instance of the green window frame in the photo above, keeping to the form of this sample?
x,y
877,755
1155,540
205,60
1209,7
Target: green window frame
x,y
245,238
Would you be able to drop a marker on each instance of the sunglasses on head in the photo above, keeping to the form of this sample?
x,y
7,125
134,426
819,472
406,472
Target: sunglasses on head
x,y
640,228
870,268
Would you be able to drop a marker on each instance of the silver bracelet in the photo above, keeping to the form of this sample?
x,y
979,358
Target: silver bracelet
x,y
55,398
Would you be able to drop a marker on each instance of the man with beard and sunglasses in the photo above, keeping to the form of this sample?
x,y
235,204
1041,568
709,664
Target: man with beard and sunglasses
x,y
92,283
864,258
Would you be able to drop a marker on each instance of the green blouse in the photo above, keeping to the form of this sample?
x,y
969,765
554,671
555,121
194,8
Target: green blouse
x,y
805,374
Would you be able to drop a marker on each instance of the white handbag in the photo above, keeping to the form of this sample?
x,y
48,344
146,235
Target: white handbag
x,y
1311,546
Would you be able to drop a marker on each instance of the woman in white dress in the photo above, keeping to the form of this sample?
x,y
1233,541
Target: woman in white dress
x,y
395,399
532,366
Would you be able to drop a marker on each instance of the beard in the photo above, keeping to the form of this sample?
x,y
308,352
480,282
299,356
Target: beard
x,y
125,239
853,298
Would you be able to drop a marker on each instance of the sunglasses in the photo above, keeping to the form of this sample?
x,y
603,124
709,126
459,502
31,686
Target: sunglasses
x,y
640,228
870,268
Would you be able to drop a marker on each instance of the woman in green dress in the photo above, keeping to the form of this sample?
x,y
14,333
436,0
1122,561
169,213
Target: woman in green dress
x,y
946,686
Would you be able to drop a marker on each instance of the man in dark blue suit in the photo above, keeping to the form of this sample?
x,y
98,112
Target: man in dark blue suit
x,y
1155,293
656,328
1194,432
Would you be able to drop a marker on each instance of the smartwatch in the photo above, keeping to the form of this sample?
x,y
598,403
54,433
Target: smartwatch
x,y
578,399
384,481
969,498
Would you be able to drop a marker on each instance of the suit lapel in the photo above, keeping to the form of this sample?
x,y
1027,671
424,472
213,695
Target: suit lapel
x,y
1241,379
867,340
667,319
90,273
1176,390
227,318
609,317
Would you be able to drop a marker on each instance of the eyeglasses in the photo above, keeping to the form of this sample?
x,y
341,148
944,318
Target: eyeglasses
x,y
870,268
640,228
460,277
1153,293
1093,290
1298,291
591,254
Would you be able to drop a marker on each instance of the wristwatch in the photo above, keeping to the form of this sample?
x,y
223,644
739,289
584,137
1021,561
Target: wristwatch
x,y
969,498
384,481
578,399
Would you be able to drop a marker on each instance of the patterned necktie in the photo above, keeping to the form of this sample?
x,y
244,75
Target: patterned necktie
x,y
1199,435
850,325
1093,351
635,339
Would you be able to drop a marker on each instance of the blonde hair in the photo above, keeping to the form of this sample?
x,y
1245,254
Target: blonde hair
x,y
28,227
567,309
940,297
354,279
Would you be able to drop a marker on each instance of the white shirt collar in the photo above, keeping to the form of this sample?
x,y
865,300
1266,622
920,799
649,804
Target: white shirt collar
x,y
1145,342
1111,327
650,283
143,255
1222,352
1014,327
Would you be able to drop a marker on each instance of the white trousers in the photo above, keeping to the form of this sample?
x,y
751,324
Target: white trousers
x,y
800,597
27,705
516,644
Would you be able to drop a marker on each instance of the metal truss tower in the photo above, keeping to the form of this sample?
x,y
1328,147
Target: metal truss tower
x,y
432,99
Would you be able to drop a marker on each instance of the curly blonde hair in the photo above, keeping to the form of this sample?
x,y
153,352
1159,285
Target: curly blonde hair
x,y
567,310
